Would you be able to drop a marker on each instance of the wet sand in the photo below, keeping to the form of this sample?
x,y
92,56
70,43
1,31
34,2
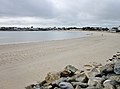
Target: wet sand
x,y
23,64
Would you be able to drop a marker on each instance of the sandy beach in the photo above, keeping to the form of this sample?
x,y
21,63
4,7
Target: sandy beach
x,y
23,64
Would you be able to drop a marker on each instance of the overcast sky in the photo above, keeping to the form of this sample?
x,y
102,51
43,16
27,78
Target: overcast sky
x,y
47,13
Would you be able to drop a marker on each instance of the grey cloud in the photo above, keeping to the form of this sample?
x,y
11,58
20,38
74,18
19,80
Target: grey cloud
x,y
33,8
63,12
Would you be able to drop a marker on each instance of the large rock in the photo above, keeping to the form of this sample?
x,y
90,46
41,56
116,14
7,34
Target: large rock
x,y
68,71
52,76
108,68
117,68
65,85
71,69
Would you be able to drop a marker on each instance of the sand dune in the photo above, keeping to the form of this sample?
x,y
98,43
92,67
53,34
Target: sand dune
x,y
23,64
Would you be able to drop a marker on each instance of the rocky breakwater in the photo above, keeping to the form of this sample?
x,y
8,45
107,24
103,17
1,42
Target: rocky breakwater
x,y
93,76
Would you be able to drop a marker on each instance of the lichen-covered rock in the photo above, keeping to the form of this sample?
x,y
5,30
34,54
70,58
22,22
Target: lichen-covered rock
x,y
52,76
65,85
117,68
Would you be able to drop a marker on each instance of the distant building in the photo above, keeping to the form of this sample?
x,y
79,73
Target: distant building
x,y
115,29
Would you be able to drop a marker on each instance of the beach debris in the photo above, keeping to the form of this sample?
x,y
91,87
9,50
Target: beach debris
x,y
93,76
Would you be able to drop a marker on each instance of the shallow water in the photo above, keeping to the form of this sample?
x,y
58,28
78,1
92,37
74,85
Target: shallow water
x,y
12,37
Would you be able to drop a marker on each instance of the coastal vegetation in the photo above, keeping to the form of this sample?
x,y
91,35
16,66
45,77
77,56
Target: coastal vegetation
x,y
113,29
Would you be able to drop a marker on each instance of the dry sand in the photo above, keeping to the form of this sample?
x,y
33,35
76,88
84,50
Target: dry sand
x,y
23,64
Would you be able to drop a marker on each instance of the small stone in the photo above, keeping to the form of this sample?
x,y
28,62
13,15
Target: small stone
x,y
88,67
56,82
52,76
114,56
96,65
29,87
114,77
78,72
118,86
57,88
66,74
92,87
65,85
109,84
117,68
94,81
37,87
82,78
42,83
82,85
92,73
33,86
47,87
77,87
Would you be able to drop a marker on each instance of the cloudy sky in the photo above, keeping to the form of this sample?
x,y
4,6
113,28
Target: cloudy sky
x,y
47,13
